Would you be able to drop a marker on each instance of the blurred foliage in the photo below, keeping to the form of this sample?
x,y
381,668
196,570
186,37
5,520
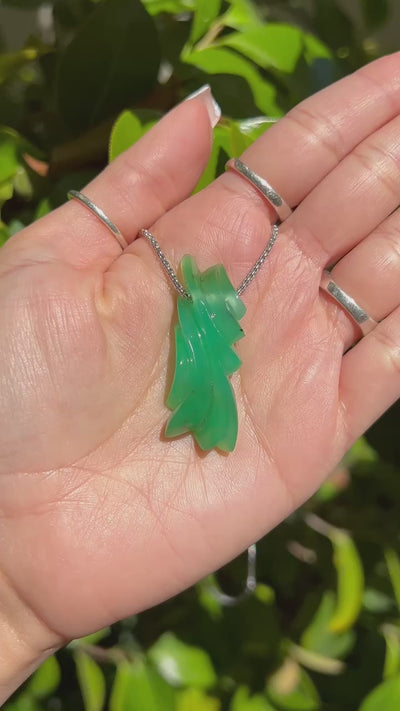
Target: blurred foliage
x,y
321,631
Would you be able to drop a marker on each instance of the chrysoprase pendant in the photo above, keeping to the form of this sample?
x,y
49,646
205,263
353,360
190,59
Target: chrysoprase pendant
x,y
201,395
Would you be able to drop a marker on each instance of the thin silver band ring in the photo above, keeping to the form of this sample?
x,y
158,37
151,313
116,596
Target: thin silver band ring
x,y
281,207
357,313
76,195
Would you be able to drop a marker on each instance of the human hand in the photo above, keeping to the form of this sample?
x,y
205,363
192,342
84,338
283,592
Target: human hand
x,y
101,516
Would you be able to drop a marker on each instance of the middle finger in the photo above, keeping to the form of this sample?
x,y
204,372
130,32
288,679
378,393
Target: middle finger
x,y
229,218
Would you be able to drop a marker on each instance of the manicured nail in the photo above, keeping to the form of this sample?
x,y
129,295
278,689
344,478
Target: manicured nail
x,y
213,108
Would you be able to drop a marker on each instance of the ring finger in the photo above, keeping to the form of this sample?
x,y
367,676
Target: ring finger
x,y
370,274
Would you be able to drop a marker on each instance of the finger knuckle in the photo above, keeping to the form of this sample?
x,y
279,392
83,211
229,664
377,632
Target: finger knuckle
x,y
390,246
318,129
135,179
381,167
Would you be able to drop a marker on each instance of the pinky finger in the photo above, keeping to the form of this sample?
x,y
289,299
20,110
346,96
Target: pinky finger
x,y
370,376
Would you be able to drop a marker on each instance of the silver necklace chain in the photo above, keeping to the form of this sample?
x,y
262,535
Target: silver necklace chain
x,y
75,194
177,284
165,263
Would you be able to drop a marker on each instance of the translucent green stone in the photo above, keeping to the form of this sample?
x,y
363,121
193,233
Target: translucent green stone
x,y
201,395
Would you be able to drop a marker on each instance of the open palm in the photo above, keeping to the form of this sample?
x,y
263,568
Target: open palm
x,y
100,514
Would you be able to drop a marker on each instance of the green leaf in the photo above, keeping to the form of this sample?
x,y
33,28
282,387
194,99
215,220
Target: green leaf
x,y
12,164
391,634
155,7
181,664
205,12
22,182
95,637
376,601
274,45
223,61
4,233
350,577
9,154
384,697
196,700
6,191
315,49
121,65
138,687
361,452
13,173
46,679
23,702
43,208
241,15
126,131
291,689
239,140
393,566
319,638
233,137
265,594
91,681
315,661
210,171
375,12
241,701
15,226
12,62
222,136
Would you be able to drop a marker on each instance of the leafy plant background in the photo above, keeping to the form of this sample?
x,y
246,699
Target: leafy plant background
x,y
321,631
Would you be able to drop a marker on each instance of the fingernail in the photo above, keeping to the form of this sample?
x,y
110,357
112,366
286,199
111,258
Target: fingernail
x,y
213,108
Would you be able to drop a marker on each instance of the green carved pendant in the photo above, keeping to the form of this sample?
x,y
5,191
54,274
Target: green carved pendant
x,y
201,395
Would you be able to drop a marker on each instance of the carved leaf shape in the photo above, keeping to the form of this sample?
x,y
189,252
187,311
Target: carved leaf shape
x,y
201,395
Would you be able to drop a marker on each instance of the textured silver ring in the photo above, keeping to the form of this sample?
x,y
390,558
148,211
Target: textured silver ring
x,y
357,313
281,207
76,195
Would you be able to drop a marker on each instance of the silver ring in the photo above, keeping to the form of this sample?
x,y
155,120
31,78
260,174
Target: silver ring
x,y
281,207
357,313
76,195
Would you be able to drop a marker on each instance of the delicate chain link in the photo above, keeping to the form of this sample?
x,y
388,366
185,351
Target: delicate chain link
x,y
165,263
177,284
260,261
